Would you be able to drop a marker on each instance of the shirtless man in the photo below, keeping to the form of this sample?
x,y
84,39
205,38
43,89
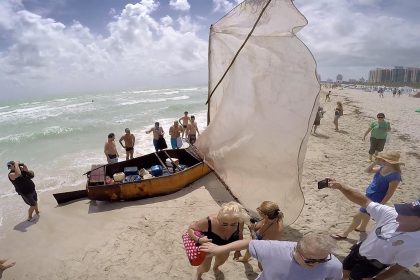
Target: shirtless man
x,y
129,141
175,132
192,131
110,149
157,133
184,122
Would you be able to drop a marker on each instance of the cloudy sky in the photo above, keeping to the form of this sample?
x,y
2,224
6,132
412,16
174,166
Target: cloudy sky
x,y
83,46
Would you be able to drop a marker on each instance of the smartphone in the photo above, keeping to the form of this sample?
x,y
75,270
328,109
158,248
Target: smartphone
x,y
323,183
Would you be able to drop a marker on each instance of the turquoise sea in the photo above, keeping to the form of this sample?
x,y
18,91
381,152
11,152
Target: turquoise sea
x,y
61,137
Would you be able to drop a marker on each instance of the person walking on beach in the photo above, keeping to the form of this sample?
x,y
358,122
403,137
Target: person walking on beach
x,y
129,141
337,114
381,92
384,183
21,178
110,149
318,117
158,137
269,228
175,132
393,244
192,131
327,96
394,92
184,122
309,258
378,132
222,228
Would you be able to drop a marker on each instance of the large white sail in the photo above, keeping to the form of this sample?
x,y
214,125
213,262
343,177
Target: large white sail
x,y
261,113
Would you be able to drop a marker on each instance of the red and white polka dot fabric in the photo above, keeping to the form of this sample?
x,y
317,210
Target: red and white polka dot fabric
x,y
192,249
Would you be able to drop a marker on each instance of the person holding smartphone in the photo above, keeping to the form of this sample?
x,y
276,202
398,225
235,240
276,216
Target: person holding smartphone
x,y
384,183
21,178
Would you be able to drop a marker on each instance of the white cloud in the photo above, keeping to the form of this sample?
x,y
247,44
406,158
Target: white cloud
x,y
181,5
47,56
349,40
224,5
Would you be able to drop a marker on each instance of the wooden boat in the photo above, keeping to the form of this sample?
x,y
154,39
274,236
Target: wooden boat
x,y
171,181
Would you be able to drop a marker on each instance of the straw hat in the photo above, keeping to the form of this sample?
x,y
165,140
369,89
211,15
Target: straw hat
x,y
390,157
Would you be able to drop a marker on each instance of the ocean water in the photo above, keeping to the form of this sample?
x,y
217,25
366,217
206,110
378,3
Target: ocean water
x,y
60,138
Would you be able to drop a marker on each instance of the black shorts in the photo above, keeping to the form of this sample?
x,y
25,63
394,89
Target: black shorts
x,y
376,145
30,198
360,267
129,149
184,126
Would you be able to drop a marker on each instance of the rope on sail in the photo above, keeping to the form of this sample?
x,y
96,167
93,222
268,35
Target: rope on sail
x,y
239,50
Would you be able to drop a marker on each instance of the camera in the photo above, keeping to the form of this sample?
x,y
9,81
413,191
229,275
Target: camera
x,y
323,184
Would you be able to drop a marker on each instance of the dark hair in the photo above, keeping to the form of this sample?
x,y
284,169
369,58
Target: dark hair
x,y
380,115
185,112
192,117
111,135
156,123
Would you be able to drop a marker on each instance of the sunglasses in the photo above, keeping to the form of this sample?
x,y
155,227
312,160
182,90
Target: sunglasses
x,y
380,117
312,261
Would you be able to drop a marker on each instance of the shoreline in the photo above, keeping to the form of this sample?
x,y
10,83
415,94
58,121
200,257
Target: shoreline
x,y
142,239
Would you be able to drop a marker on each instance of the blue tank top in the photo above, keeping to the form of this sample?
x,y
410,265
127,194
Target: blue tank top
x,y
379,186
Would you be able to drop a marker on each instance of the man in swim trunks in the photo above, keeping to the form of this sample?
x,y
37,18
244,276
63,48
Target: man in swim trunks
x,y
184,122
175,132
21,178
110,149
157,133
129,141
192,131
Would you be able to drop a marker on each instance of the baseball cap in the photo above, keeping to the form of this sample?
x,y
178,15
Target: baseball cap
x,y
408,209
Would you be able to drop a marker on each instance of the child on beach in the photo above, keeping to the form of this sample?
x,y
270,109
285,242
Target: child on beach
x,y
337,114
384,183
222,228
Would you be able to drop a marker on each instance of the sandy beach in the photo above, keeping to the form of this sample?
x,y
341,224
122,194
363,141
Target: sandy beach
x,y
142,239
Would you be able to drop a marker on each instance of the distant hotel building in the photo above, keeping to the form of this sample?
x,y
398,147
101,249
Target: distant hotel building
x,y
407,75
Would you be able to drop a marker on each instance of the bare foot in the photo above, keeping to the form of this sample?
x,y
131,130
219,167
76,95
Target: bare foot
x,y
29,219
4,266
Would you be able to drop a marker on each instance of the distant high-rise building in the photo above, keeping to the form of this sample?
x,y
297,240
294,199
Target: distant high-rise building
x,y
339,78
398,74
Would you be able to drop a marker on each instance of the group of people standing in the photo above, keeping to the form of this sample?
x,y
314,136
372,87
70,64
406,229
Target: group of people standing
x,y
389,248
186,125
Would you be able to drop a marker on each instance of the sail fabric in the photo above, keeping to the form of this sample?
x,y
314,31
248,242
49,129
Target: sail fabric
x,y
261,113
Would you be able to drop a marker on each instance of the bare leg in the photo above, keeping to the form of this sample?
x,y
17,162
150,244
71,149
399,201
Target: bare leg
x,y
203,268
357,219
219,260
36,209
364,223
315,127
245,258
30,212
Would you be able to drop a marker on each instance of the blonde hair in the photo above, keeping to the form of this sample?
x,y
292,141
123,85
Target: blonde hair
x,y
317,242
270,209
233,210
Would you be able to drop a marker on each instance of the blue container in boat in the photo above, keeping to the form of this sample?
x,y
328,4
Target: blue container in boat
x,y
132,170
156,170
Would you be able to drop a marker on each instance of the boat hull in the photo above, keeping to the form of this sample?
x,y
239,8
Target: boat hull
x,y
152,187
